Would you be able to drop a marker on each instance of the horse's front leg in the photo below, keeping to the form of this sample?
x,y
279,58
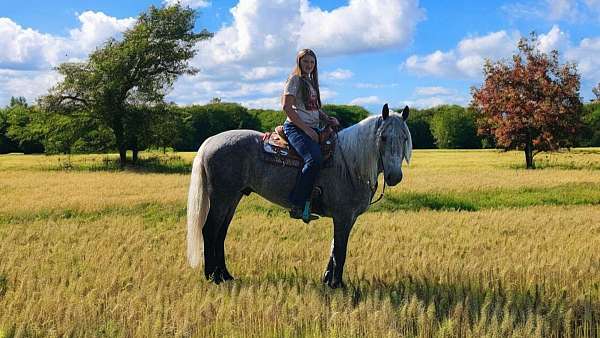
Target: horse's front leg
x,y
342,225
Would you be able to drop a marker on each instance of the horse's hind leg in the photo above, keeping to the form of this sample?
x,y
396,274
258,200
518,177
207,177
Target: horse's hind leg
x,y
214,232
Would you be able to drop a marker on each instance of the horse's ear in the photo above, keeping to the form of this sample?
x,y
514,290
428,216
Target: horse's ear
x,y
405,113
385,112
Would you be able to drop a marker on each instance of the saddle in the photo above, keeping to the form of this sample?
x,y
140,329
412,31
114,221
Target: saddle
x,y
277,150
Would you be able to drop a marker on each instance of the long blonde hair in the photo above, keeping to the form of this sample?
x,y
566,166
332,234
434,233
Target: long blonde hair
x,y
312,78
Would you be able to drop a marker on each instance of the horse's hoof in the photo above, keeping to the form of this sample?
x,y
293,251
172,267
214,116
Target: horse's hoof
x,y
227,276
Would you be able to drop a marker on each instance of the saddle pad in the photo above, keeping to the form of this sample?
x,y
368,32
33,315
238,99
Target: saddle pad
x,y
277,151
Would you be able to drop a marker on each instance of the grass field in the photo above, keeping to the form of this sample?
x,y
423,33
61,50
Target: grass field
x,y
468,245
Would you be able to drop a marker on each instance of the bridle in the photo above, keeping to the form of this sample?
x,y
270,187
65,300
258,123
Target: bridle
x,y
373,189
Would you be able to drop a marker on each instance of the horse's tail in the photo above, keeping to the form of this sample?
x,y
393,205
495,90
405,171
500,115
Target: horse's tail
x,y
197,209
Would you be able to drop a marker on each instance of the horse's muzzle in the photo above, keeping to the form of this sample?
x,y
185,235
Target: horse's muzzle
x,y
392,180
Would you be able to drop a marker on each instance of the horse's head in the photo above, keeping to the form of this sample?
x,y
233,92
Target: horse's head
x,y
394,144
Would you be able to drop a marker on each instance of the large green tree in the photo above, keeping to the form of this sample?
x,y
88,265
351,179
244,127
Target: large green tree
x,y
124,74
454,127
347,115
23,127
207,120
531,103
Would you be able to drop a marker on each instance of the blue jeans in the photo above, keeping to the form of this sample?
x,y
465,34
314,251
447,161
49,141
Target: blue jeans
x,y
310,151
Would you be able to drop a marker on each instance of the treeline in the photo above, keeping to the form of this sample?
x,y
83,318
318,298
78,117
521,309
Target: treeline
x,y
455,127
28,129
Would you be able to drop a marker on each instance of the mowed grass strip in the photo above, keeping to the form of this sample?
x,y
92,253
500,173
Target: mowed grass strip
x,y
527,272
572,194
569,194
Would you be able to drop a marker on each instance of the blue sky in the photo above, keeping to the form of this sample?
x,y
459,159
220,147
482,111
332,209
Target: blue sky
x,y
420,53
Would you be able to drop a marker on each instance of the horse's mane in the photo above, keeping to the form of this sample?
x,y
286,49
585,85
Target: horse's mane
x,y
358,145
359,153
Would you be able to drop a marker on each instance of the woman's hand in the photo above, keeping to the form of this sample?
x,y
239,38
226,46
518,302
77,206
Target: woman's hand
x,y
333,121
312,134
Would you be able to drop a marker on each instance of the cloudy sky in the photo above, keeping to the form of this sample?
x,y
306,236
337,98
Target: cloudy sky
x,y
420,53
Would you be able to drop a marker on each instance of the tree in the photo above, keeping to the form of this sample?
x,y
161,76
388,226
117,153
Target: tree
x,y
596,91
268,119
531,103
213,118
7,144
22,126
419,124
120,75
347,115
454,127
590,133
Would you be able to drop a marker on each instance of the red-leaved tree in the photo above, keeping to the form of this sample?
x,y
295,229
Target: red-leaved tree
x,y
531,103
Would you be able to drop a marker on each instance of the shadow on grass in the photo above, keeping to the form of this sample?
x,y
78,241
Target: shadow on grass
x,y
472,303
419,201
163,164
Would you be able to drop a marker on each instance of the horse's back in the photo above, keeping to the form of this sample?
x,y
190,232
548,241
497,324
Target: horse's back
x,y
234,162
231,141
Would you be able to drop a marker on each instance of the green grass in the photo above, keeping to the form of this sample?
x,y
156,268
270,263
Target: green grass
x,y
570,194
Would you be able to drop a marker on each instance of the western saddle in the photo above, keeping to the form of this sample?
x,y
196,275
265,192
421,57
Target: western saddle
x,y
277,150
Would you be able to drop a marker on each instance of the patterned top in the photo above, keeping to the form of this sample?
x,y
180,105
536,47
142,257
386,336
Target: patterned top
x,y
309,113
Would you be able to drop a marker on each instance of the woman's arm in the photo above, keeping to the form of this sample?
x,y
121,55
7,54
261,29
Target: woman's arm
x,y
288,102
328,119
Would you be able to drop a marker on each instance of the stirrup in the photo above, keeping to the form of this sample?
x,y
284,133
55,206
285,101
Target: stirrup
x,y
306,215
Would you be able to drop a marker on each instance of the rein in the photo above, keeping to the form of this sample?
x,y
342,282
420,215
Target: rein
x,y
383,190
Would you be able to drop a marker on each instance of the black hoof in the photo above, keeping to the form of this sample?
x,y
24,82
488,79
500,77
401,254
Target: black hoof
x,y
226,275
219,275
332,282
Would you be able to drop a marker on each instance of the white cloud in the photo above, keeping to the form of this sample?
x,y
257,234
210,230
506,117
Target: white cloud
x,y
431,91
327,93
432,101
261,42
360,26
555,39
437,63
555,10
338,74
368,85
29,84
586,56
27,56
97,27
25,48
245,58
263,103
188,3
359,101
467,59
263,73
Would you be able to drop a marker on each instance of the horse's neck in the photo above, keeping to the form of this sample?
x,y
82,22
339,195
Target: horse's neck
x,y
359,149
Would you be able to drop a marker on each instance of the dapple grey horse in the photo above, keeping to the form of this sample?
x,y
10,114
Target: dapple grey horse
x,y
229,165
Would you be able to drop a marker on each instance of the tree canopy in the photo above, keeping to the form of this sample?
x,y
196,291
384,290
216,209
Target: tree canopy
x,y
531,103
122,80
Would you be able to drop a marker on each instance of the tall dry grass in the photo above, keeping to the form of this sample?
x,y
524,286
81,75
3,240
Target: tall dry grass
x,y
92,253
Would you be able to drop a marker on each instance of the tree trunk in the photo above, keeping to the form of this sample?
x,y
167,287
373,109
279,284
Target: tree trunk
x,y
122,156
529,155
121,145
134,149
